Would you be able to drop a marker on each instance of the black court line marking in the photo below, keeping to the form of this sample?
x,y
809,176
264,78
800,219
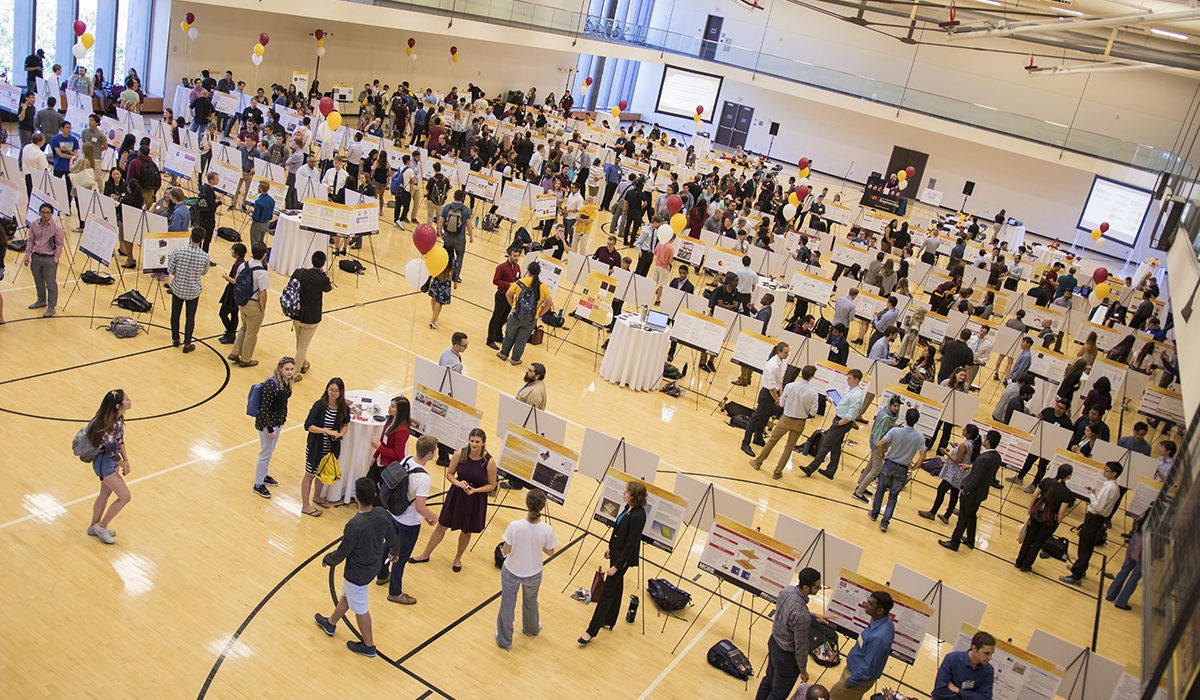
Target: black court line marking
x,y
424,695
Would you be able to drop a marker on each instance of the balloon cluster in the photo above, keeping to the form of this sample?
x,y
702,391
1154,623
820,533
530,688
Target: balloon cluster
x,y
319,35
332,118
85,40
411,50
587,82
797,196
803,164
454,54
1101,290
902,175
699,111
1098,232
186,25
257,57
433,260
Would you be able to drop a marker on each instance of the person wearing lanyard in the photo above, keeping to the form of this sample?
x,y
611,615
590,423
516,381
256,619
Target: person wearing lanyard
x,y
42,251
622,553
865,662
898,448
768,397
505,275
799,402
1103,503
847,413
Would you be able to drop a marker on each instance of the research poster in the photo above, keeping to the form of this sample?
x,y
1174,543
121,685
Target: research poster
x,y
595,305
811,287
157,247
1163,403
443,417
484,186
545,206
1130,685
689,250
511,199
697,330
931,411
910,615
1019,675
537,462
934,326
753,350
98,241
181,161
1047,363
551,274
748,559
1015,443
722,260
848,254
664,510
1087,475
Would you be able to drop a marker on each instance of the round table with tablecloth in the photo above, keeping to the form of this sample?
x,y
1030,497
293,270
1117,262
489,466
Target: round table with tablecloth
x,y
293,246
355,460
635,355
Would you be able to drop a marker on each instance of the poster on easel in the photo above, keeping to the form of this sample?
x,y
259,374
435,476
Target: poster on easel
x,y
1163,403
11,196
537,462
849,254
664,510
551,274
1087,475
300,81
1047,364
545,206
722,260
225,103
277,191
483,186
749,559
343,93
910,615
181,161
1145,492
689,250
1130,685
98,240
1019,675
931,411
595,305
511,199
444,417
157,248
752,350
811,287
1015,443
698,330
227,177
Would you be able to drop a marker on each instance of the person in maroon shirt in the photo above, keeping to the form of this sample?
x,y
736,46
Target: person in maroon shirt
x,y
506,274
436,132
608,254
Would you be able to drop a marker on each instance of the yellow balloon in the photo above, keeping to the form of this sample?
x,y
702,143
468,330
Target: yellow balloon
x,y
793,200
436,260
1096,234
678,222
87,40
901,176
320,42
616,111
454,58
804,173
697,118
185,26
258,49
1102,290
334,120
408,51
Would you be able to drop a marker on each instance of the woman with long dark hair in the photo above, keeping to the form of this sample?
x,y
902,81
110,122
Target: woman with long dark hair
x,y
1051,500
472,475
1121,352
272,414
391,445
327,422
952,469
106,431
622,553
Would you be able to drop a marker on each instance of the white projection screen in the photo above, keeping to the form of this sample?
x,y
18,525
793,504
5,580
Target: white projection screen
x,y
1123,206
682,90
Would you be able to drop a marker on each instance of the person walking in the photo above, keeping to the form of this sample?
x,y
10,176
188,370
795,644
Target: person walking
x,y
901,448
410,476
952,467
975,490
799,401
43,248
845,417
505,275
524,543
768,397
455,228
622,553
1126,580
254,308
327,423
865,662
472,475
530,300
207,201
313,286
440,293
106,433
365,540
787,647
884,421
272,414
1051,501
228,311
186,266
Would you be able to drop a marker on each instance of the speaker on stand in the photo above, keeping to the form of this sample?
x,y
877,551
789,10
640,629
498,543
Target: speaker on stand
x,y
774,132
968,190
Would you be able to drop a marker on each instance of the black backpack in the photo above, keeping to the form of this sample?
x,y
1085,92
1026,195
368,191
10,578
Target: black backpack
x,y
227,234
727,657
822,328
132,301
439,186
149,177
395,484
667,596
823,644
351,265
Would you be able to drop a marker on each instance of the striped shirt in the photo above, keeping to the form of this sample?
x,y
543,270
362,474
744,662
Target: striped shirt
x,y
186,266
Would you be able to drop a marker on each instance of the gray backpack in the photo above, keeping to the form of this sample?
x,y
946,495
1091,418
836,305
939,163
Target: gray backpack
x,y
124,327
83,449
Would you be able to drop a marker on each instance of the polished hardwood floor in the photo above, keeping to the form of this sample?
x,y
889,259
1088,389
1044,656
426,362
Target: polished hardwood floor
x,y
211,589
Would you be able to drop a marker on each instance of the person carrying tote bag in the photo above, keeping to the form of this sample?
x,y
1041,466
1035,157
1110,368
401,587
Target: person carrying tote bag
x,y
622,553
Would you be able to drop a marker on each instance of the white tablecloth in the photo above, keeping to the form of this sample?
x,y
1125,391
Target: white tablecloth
x,y
293,247
180,106
1048,256
356,454
635,355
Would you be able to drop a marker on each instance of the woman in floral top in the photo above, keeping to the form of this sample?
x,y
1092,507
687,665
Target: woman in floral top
x,y
106,431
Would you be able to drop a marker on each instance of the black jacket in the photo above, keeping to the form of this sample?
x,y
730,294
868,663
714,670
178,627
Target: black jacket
x,y
623,544
313,285
983,471
315,447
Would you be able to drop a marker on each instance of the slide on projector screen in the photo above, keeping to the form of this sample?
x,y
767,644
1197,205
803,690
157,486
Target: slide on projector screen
x,y
682,90
1123,206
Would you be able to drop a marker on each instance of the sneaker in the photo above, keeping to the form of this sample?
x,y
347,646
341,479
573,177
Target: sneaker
x,y
37,305
502,356
268,481
1071,580
324,623
261,490
859,497
925,514
403,599
1030,488
882,528
756,464
494,346
1014,479
514,361
361,649
105,535
49,312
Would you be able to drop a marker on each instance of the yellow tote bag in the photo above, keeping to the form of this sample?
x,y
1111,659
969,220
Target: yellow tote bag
x,y
329,471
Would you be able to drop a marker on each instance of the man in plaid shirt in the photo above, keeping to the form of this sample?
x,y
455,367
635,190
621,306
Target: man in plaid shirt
x,y
186,266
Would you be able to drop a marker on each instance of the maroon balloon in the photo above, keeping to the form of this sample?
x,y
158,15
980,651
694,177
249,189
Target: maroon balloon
x,y
803,163
674,204
319,34
79,27
699,109
411,42
325,105
424,238
190,17
1099,275
1104,227
622,104
910,171
264,39
802,192
453,50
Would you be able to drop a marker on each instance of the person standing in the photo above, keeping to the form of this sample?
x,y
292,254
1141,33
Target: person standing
x,y
228,311
865,662
472,475
884,421
272,414
48,119
451,357
967,675
313,286
436,189
326,424
440,293
454,228
787,647
571,207
612,177
529,298
1126,580
524,543
1024,359
206,208
106,433
799,402
186,266
956,353
622,554
768,397
533,392
952,470
253,310
900,448
260,217
365,539
974,492
411,474
1100,509
1051,501
845,416
505,275
25,117
65,148
43,249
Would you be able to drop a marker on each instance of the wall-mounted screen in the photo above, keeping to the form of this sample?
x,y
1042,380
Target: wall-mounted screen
x,y
682,90
1123,206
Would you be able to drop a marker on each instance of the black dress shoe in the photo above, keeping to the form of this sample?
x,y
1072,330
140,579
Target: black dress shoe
x,y
747,450
494,346
948,545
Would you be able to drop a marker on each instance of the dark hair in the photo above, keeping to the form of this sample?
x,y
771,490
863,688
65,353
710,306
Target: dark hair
x,y
238,250
535,501
809,576
364,489
318,259
884,599
403,411
258,250
457,337
855,374
1103,385
816,692
911,416
982,639
1064,472
343,408
106,416
971,432
808,372
539,370
197,235
535,271
1171,446
992,438
1115,467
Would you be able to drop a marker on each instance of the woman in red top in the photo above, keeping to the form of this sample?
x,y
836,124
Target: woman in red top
x,y
696,218
391,444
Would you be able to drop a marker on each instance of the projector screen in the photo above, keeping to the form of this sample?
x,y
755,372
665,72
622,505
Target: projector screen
x,y
682,90
1123,206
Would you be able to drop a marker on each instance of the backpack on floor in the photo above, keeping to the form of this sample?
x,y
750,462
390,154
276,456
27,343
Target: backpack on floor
x,y
667,596
810,445
491,221
823,644
727,657
351,265
289,299
83,449
132,301
124,327
1055,548
227,234
93,277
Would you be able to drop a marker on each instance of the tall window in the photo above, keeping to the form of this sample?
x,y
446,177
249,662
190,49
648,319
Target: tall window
x,y
45,28
87,14
8,9
119,53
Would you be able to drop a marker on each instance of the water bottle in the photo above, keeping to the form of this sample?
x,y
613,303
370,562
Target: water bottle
x,y
633,606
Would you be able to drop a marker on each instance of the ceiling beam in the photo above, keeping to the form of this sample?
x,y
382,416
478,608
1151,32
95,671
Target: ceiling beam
x,y
1063,25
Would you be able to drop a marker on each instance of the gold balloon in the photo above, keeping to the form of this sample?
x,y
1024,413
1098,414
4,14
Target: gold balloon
x,y
320,42
793,199
334,120
454,58
616,111
408,51
1102,290
678,222
258,49
87,40
1096,234
185,26
436,260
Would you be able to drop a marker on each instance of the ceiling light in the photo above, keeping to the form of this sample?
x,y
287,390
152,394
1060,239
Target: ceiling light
x,y
1169,35
1065,11
992,2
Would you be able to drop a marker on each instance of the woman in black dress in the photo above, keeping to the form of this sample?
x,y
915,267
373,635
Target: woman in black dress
x,y
622,553
327,422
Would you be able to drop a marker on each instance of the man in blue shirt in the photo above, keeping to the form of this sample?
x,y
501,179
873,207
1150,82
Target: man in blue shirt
x,y
65,148
1137,441
612,177
967,675
1021,366
260,218
865,662
843,309
881,348
897,448
847,413
885,318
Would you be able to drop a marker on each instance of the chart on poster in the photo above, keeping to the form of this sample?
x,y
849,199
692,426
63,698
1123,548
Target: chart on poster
x,y
664,510
443,417
537,462
1019,675
748,559
911,616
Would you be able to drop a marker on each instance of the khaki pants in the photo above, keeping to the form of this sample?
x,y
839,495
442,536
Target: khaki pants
x,y
794,427
304,335
247,334
243,188
869,472
841,692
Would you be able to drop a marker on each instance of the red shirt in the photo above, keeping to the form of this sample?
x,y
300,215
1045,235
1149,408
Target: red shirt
x,y
506,274
391,447
612,258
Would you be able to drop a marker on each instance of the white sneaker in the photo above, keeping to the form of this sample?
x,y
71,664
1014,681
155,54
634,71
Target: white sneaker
x,y
105,535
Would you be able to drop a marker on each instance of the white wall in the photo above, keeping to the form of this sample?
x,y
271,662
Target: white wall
x,y
1184,271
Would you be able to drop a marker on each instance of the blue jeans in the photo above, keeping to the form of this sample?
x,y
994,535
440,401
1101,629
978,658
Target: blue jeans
x,y
781,674
407,538
530,622
1125,583
515,336
891,479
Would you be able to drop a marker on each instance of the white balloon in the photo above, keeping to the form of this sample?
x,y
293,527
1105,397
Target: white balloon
x,y
257,60
320,50
666,234
415,273
193,33
79,51
1094,300
413,57
789,210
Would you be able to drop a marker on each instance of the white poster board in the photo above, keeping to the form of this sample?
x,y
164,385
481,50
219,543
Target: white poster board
x,y
442,416
699,331
157,248
601,452
748,559
1018,674
98,240
664,510
952,608
910,615
753,350
512,411
537,462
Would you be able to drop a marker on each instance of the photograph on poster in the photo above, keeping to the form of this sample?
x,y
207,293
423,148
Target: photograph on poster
x,y
442,416
748,559
537,462
664,510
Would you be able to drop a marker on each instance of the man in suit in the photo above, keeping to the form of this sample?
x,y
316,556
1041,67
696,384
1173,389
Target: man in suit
x,y
974,492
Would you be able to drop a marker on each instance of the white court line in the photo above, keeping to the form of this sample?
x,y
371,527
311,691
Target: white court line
x,y
674,662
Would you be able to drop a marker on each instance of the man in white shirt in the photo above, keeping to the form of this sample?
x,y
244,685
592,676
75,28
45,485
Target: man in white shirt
x,y
354,155
451,357
747,278
768,397
33,158
308,170
535,163
571,207
1100,509
981,345
335,181
799,402
408,523
844,419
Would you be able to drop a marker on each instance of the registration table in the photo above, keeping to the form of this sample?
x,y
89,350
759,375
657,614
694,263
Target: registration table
x,y
293,246
635,355
368,411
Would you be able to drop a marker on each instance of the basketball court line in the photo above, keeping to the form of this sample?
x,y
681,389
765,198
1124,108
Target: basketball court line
x,y
679,657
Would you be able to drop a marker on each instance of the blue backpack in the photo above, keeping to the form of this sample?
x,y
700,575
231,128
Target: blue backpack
x,y
526,305
398,181
243,285
254,398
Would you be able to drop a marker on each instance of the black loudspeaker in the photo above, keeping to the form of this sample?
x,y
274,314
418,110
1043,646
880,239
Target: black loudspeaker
x,y
968,189
774,128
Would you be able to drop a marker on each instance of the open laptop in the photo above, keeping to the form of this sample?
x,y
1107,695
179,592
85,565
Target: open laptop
x,y
657,320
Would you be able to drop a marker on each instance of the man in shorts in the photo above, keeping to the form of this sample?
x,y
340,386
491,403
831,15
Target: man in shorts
x,y
664,255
